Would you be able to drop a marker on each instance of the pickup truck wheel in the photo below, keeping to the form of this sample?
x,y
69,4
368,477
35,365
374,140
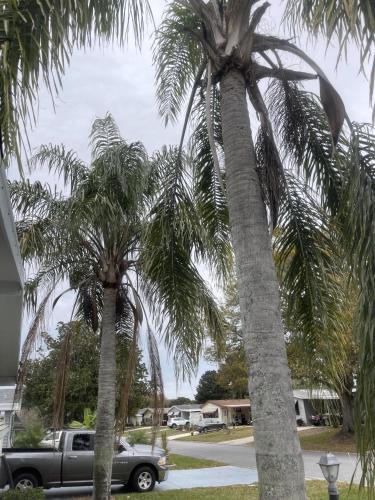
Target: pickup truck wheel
x,y
25,481
143,479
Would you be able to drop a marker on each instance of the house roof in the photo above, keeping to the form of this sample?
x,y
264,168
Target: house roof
x,y
191,408
6,399
314,394
143,410
230,403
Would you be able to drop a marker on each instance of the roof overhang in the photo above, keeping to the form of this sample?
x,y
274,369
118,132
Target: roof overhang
x,y
11,289
245,405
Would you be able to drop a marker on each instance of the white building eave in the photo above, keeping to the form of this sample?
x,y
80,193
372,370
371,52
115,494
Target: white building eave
x,y
11,289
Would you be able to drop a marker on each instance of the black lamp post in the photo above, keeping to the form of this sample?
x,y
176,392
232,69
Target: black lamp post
x,y
330,468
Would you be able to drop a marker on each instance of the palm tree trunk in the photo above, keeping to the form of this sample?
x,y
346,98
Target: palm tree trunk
x,y
279,460
105,418
347,403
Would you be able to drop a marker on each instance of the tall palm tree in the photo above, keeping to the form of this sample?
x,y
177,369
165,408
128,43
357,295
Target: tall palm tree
x,y
37,38
214,47
124,235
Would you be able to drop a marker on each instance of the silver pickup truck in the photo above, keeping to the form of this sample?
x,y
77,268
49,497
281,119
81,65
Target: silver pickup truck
x,y
139,466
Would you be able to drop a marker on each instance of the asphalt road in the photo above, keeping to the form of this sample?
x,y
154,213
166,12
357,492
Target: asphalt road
x,y
244,456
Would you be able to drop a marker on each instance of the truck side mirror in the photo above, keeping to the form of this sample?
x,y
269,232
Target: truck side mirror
x,y
121,448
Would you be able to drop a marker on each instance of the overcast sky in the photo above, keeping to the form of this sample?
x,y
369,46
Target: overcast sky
x,y
122,82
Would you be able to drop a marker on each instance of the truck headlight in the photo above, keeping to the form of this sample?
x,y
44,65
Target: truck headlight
x,y
162,461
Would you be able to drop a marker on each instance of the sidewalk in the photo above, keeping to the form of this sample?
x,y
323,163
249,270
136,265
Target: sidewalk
x,y
250,439
227,475
171,438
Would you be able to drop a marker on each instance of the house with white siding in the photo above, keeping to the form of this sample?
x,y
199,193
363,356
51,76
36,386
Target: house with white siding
x,y
7,412
192,412
229,411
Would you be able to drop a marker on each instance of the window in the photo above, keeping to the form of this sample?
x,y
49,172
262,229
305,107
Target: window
x,y
297,408
62,440
82,442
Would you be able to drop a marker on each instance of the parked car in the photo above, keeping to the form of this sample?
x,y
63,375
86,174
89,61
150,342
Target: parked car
x,y
209,426
326,419
174,422
51,439
139,466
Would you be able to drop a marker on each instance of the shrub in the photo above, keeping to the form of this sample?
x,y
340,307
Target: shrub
x,y
34,494
33,430
138,437
89,420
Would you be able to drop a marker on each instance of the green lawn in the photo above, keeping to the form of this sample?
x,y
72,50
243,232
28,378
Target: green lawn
x,y
218,436
316,490
327,439
183,462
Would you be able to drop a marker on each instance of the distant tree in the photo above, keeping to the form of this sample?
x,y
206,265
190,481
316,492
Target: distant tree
x,y
82,376
180,401
232,374
209,388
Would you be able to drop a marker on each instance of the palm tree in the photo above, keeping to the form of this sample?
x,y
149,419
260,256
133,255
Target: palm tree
x,y
215,47
37,38
121,238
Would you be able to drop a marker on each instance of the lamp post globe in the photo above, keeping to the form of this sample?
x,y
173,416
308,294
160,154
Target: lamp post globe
x,y
330,469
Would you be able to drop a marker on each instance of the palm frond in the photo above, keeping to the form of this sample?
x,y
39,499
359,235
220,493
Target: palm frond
x,y
177,58
156,380
37,38
209,198
128,367
305,138
358,219
63,162
179,299
306,259
105,134
30,342
62,370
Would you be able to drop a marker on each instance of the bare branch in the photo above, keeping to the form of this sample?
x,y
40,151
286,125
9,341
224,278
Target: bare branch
x,y
257,16
281,74
190,104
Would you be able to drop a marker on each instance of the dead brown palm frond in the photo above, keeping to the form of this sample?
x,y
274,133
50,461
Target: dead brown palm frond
x,y
127,379
61,377
156,382
30,343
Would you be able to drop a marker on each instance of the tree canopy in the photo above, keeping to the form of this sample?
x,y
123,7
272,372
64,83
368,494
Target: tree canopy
x,y
82,376
209,387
